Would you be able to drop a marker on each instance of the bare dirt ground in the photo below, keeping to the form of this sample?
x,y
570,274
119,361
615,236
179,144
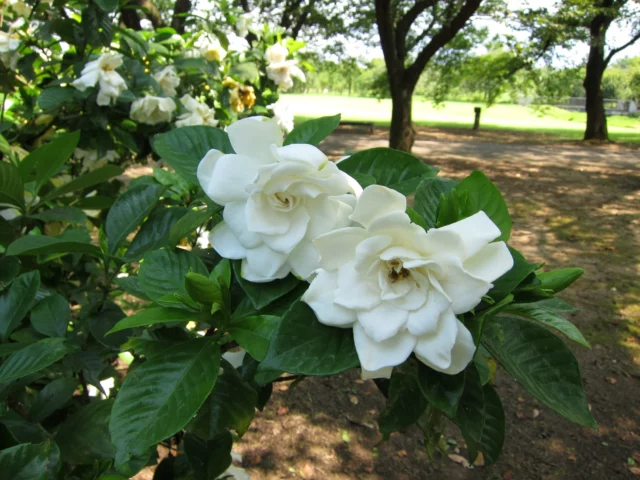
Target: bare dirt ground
x,y
571,206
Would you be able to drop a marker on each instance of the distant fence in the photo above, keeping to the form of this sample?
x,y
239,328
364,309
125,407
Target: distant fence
x,y
612,106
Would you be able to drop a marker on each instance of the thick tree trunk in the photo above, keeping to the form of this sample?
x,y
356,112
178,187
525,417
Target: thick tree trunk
x,y
180,8
402,134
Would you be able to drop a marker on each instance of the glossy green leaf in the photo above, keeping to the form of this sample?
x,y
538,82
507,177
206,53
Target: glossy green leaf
x,y
34,358
16,301
441,390
542,363
49,158
31,462
262,294
131,285
254,333
9,269
313,131
52,397
231,405
103,321
427,199
405,402
155,316
84,436
107,5
536,312
11,186
301,344
51,316
128,212
70,241
392,168
202,289
52,98
90,179
183,148
61,214
154,234
416,218
189,223
171,387
208,458
162,275
558,280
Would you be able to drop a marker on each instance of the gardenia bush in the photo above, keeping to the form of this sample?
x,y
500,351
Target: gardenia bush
x,y
122,338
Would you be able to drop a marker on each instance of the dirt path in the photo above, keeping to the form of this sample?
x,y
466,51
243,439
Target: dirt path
x,y
571,206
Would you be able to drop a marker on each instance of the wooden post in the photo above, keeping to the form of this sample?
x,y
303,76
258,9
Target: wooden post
x,y
476,122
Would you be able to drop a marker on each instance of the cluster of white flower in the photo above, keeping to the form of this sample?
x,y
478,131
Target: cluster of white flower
x,y
290,210
152,110
103,72
168,80
281,70
90,160
197,113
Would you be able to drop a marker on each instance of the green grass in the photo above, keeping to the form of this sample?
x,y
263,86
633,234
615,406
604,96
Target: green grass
x,y
551,120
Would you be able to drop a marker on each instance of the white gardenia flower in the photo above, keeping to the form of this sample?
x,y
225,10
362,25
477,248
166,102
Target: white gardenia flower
x,y
281,70
152,110
282,115
90,160
237,43
168,80
9,44
20,8
400,288
276,200
211,49
197,113
243,24
103,71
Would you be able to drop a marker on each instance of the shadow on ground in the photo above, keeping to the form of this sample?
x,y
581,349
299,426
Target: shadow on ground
x,y
571,206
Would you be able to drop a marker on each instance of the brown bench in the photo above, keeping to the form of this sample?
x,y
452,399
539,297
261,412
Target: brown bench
x,y
369,125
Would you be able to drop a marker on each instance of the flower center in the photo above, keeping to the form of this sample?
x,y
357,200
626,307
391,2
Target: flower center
x,y
283,201
397,271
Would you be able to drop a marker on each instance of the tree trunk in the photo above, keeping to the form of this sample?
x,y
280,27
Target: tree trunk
x,y
402,134
180,8
596,64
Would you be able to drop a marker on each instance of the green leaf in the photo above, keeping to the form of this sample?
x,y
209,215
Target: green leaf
x,y
313,131
70,241
221,273
441,390
49,158
84,437
128,211
392,168
9,269
162,276
155,316
301,344
100,323
558,280
202,289
96,177
537,313
254,333
405,402
171,387
504,285
7,349
415,218
556,305
34,358
476,193
16,301
262,294
188,223
208,458
54,97
11,186
51,315
427,199
107,6
481,418
231,405
31,462
245,72
154,234
183,148
542,364
52,397
131,285
62,214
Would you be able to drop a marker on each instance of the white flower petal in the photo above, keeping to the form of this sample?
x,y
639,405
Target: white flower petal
x,y
304,259
264,218
464,290
226,243
299,219
338,248
376,202
382,322
299,152
474,233
319,296
463,351
490,263
368,251
327,214
264,265
254,136
205,168
434,349
230,176
235,358
377,355
354,291
234,214
425,320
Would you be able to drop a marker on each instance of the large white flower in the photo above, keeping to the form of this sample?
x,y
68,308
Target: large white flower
x,y
168,80
281,70
103,71
400,288
276,200
197,113
282,115
152,110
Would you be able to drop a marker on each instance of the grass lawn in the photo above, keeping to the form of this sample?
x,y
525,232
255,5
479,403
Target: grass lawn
x,y
569,125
